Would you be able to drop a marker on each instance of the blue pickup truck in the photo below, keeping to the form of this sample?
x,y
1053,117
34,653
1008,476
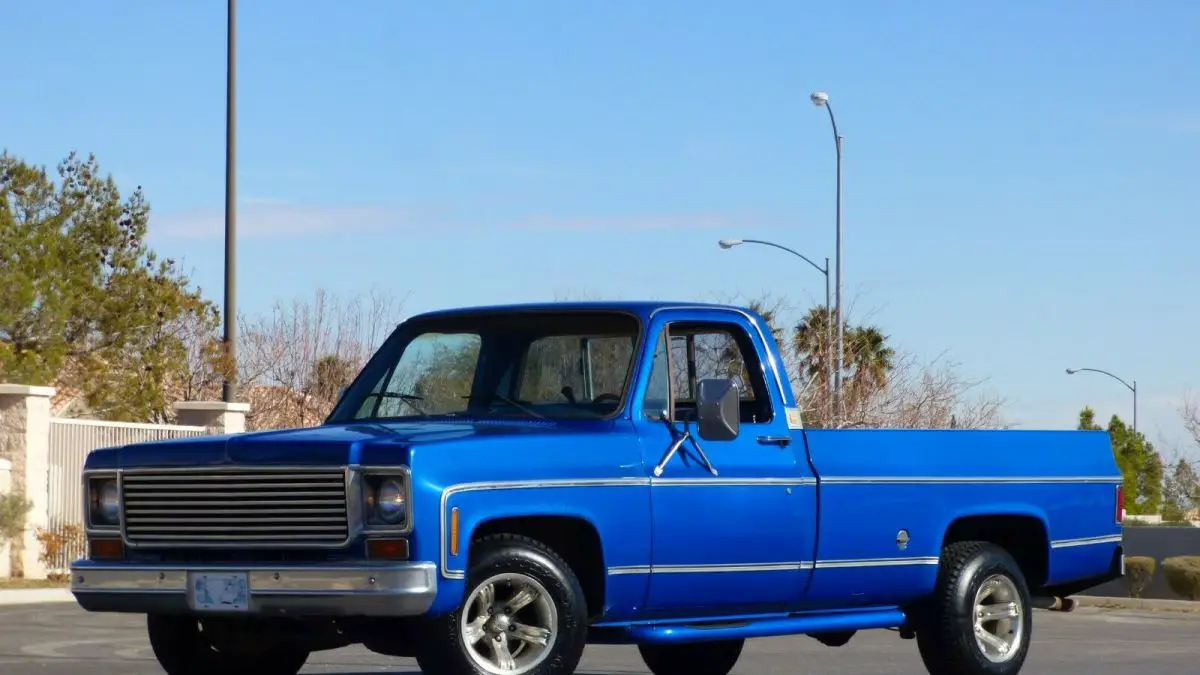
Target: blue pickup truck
x,y
501,486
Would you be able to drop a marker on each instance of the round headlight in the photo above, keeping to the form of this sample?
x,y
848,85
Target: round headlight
x,y
110,502
389,502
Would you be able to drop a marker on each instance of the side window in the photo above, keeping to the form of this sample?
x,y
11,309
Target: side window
x,y
588,367
700,351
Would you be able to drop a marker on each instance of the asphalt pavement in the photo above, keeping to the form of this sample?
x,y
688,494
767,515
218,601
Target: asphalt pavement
x,y
61,639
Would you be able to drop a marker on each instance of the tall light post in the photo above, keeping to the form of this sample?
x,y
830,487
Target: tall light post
x,y
1130,387
229,385
730,243
820,99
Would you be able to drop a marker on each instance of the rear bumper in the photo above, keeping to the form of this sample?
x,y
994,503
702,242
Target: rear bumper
x,y
377,589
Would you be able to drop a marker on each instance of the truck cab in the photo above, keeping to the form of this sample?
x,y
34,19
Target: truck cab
x,y
500,486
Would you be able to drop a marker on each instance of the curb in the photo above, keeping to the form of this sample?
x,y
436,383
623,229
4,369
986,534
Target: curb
x,y
35,596
1137,603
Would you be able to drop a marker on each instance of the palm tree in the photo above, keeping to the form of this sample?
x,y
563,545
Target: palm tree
x,y
869,356
810,341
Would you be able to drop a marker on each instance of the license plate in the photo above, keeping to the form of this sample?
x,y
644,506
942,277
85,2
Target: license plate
x,y
220,591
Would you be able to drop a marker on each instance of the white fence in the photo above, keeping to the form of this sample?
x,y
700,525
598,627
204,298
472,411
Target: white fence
x,y
70,442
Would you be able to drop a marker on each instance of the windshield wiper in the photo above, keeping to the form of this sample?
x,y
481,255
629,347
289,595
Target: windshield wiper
x,y
410,399
515,404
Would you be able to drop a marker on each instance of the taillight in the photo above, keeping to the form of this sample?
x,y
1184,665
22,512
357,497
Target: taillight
x,y
1120,504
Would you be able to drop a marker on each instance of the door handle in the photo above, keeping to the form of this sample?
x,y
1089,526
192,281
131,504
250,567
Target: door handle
x,y
774,440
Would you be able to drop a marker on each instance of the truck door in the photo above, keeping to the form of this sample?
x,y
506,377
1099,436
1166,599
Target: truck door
x,y
733,521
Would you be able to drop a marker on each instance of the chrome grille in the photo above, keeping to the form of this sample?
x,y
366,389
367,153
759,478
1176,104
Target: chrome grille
x,y
236,508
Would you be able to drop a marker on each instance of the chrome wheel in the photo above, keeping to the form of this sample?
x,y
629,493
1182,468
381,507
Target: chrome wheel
x,y
508,624
999,619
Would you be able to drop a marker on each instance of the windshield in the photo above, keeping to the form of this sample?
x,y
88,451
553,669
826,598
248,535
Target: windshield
x,y
540,365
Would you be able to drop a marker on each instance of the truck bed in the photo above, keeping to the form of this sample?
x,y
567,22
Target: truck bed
x,y
878,487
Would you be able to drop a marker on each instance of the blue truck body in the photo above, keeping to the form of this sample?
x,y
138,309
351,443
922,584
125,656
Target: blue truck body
x,y
776,530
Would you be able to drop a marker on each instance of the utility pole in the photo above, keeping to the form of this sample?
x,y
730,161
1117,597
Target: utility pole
x,y
229,385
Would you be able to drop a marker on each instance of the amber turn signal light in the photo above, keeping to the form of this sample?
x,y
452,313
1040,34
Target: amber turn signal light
x,y
387,549
106,549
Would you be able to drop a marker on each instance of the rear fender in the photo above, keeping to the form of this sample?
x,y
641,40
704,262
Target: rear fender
x,y
1021,528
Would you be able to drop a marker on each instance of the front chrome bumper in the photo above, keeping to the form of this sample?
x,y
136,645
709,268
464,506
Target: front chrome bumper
x,y
375,589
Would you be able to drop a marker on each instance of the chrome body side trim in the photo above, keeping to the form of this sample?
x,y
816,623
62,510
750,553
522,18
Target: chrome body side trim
x,y
731,482
967,480
771,567
876,562
1087,541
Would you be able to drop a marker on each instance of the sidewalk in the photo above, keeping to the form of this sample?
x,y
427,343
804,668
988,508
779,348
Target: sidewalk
x,y
34,596
1138,603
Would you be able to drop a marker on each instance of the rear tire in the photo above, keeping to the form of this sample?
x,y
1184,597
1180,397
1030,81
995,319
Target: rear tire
x,y
695,658
979,620
182,647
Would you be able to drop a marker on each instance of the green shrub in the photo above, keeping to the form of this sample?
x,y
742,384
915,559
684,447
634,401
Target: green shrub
x,y
1183,575
13,509
1139,571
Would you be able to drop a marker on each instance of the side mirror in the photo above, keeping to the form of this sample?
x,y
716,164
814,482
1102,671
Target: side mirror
x,y
718,409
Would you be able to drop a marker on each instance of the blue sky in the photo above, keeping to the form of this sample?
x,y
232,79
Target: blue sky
x,y
1020,177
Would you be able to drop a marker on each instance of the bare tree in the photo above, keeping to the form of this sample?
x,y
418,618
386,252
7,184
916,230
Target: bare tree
x,y
933,395
206,362
1190,412
294,360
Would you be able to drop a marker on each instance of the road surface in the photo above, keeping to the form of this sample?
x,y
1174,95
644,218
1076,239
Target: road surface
x,y
61,639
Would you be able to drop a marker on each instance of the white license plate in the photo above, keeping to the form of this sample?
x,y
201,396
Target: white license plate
x,y
220,591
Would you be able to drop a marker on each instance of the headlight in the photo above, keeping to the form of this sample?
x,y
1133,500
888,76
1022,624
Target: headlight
x,y
390,501
105,501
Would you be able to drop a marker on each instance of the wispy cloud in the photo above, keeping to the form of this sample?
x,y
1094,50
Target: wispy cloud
x,y
266,217
510,170
1184,124
660,221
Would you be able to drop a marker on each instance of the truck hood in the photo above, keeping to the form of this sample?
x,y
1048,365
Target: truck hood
x,y
329,445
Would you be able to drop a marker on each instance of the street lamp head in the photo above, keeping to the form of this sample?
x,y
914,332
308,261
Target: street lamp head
x,y
819,98
1071,371
730,243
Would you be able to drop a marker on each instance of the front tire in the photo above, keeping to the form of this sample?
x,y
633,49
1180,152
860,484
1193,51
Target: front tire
x,y
695,658
183,646
524,614
980,618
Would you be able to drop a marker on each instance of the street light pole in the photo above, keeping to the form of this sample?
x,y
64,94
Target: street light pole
x,y
1130,387
730,243
229,385
822,99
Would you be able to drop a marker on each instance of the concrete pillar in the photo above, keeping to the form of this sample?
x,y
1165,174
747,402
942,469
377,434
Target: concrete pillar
x,y
5,488
216,416
25,442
